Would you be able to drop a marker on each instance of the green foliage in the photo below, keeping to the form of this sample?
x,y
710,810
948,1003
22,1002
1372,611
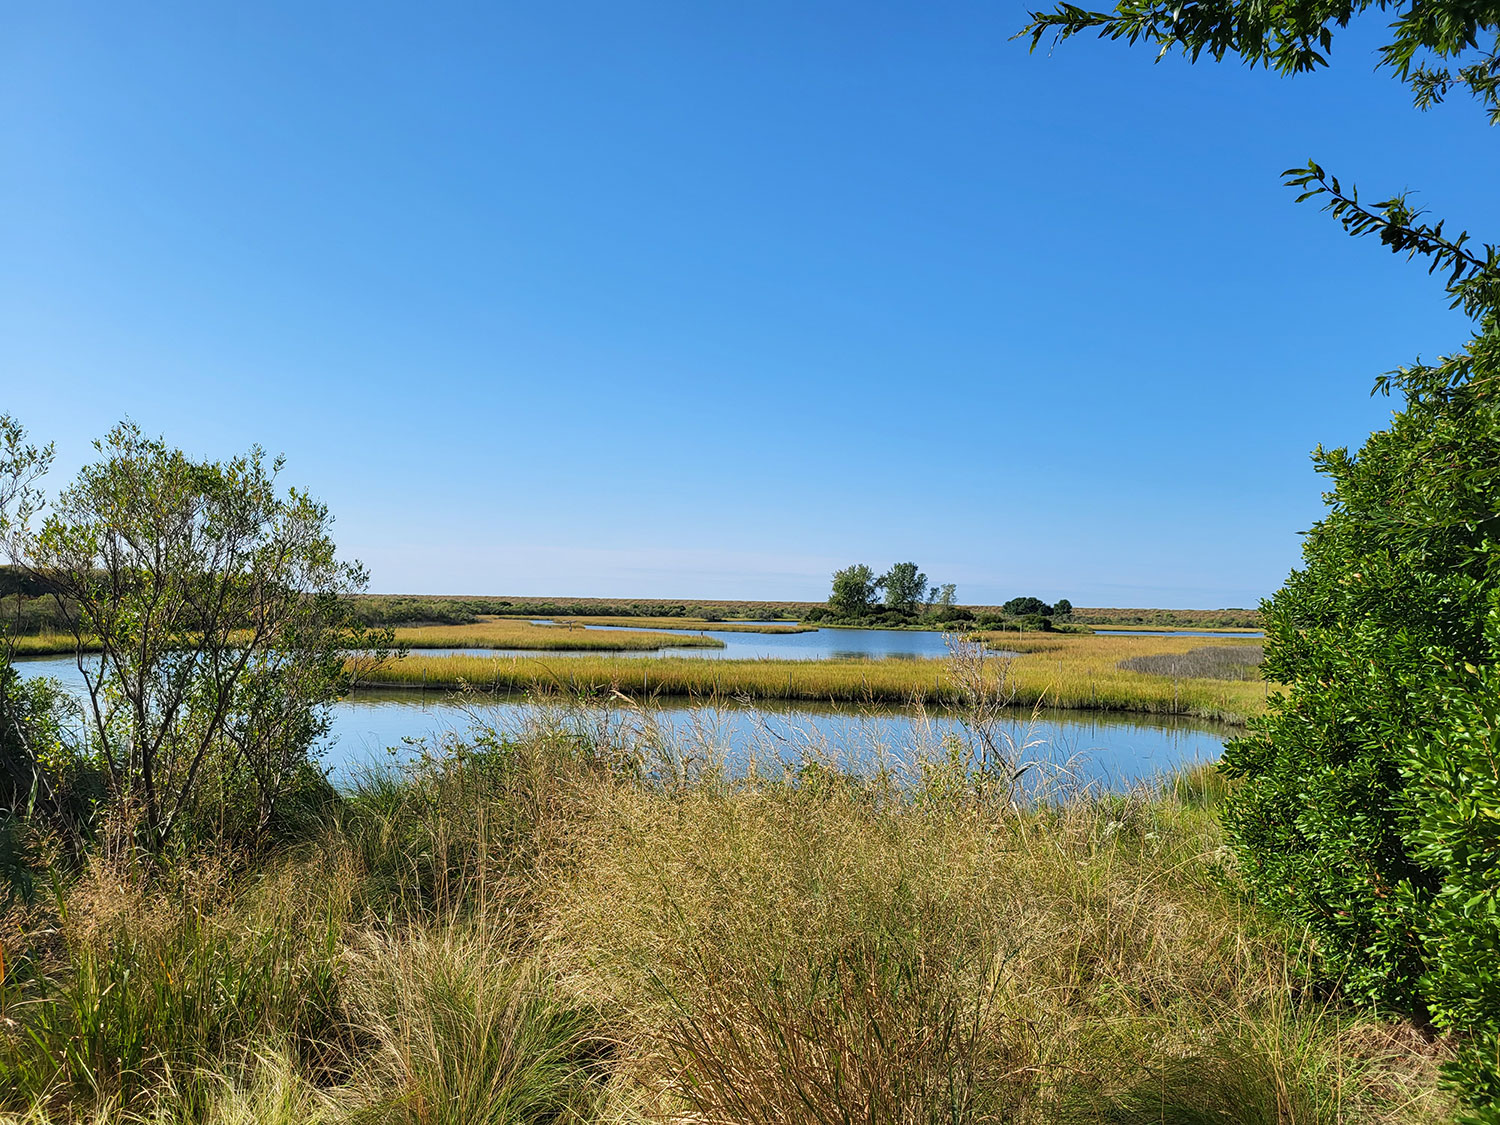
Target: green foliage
x,y
853,591
1369,798
1433,47
905,586
168,982
1365,782
1453,787
220,615
1026,607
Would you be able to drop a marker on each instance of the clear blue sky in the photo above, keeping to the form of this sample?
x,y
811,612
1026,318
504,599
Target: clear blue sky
x,y
631,298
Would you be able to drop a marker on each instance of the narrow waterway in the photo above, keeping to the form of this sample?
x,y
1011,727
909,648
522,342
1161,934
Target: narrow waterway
x,y
1078,748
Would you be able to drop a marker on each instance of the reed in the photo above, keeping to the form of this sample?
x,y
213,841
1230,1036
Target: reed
x,y
1056,670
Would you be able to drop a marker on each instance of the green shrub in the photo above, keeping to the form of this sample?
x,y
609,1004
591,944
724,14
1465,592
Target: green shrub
x,y
1453,781
1362,783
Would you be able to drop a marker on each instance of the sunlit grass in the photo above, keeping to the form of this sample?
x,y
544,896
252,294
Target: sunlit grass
x,y
1057,670
46,644
494,632
508,632
1227,630
545,929
691,623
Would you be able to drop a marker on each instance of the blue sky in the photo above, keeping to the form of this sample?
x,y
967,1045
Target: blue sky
x,y
706,300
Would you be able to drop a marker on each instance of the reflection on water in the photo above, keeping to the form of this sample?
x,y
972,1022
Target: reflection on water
x,y
1098,747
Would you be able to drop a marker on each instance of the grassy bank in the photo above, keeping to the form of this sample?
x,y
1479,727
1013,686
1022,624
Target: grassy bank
x,y
490,632
1117,618
47,644
1069,671
529,932
1227,630
506,632
692,623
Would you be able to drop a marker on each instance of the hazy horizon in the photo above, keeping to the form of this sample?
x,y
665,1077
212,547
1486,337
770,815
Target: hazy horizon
x,y
672,300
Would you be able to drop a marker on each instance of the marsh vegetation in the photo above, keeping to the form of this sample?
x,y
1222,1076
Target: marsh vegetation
x,y
1056,670
552,927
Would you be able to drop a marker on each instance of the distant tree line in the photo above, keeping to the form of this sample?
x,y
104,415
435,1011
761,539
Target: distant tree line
x,y
903,595
405,609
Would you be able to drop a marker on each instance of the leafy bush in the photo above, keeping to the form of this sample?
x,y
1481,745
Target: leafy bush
x,y
1453,782
1370,784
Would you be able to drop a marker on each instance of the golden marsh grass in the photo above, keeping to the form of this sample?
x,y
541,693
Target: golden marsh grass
x,y
691,623
1057,670
507,632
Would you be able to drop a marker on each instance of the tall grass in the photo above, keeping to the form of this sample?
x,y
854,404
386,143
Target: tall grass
x,y
550,928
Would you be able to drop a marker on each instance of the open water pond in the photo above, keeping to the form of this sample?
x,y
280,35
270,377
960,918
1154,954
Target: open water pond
x,y
821,644
1098,748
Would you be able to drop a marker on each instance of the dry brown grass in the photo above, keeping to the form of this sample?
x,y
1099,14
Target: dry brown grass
x,y
807,953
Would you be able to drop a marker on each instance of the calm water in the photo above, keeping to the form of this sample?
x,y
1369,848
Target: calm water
x,y
1097,747
823,644
1176,633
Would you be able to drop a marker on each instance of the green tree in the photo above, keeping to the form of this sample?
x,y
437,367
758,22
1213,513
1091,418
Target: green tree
x,y
905,586
1062,608
221,616
31,766
853,591
1026,607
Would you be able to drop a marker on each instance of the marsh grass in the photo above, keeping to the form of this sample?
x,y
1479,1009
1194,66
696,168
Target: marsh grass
x,y
504,632
489,632
582,923
1206,662
47,644
1057,670
690,623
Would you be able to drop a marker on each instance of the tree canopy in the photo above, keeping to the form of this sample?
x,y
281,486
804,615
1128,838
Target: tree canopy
x,y
853,591
905,586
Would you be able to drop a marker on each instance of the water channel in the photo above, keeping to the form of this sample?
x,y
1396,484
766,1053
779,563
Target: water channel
x,y
1094,748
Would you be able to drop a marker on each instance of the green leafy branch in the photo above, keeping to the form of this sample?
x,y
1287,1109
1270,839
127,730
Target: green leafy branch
x,y
1473,269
